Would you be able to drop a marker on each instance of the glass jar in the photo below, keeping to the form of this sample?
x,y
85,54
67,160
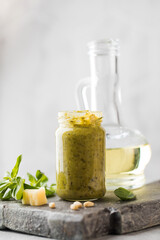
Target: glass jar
x,y
127,150
80,156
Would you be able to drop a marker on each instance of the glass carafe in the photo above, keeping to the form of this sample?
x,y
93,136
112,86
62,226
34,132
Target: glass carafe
x,y
127,151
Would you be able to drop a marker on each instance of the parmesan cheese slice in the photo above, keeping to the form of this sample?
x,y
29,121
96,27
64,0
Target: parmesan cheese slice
x,y
34,197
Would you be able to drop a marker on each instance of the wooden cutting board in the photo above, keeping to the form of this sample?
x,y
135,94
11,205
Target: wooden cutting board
x,y
108,216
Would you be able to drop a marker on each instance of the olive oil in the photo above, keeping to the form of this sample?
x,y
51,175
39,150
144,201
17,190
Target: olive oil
x,y
125,166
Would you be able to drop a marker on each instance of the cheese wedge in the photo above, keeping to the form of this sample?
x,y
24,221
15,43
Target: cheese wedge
x,y
34,197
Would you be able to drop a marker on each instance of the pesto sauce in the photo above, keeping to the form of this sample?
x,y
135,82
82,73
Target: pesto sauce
x,y
83,175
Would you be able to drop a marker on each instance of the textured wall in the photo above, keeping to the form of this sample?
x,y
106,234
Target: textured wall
x,y
43,55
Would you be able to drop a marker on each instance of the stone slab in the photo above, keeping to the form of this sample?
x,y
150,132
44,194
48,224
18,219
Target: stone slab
x,y
139,214
1,217
109,216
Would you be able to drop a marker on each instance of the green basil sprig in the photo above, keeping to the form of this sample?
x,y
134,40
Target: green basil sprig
x,y
40,180
12,186
124,194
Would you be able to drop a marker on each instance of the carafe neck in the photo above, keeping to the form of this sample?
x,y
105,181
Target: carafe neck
x,y
105,90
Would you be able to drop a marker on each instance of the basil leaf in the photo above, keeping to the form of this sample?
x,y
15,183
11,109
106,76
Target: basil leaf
x,y
53,187
4,186
7,194
53,184
49,192
18,191
124,194
42,181
27,186
13,185
2,193
7,176
16,167
32,179
39,174
2,182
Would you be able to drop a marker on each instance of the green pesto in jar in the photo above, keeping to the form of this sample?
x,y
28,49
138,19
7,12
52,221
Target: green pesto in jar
x,y
83,173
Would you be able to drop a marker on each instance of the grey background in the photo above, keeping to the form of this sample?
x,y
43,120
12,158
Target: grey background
x,y
43,54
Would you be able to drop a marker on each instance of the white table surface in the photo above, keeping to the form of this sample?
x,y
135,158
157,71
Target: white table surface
x,y
148,234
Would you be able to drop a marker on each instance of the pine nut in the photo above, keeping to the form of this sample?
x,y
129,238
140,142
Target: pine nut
x,y
79,204
88,204
74,206
52,205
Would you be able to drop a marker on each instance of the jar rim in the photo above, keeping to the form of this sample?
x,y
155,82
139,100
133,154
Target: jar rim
x,y
79,113
85,117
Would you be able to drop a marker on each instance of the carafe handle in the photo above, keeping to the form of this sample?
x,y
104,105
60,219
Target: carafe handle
x,y
81,93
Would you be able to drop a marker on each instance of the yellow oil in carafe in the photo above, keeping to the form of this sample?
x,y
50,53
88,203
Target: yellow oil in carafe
x,y
126,163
